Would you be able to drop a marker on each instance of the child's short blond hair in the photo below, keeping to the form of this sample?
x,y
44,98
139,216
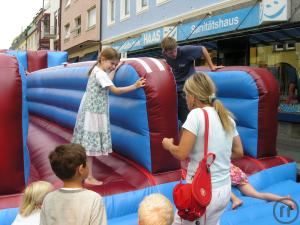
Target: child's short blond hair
x,y
155,209
34,195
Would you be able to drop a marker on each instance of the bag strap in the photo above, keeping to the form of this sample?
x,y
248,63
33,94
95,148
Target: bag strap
x,y
206,132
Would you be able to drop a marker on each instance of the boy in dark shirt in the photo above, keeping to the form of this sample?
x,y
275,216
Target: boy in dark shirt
x,y
182,61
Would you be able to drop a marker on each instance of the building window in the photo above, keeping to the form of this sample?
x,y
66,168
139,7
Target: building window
x,y
77,28
56,25
91,17
160,2
111,12
125,9
290,46
46,26
142,5
67,3
67,31
284,47
278,47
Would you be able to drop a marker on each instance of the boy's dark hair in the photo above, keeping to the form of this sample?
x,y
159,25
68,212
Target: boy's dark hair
x,y
168,43
66,158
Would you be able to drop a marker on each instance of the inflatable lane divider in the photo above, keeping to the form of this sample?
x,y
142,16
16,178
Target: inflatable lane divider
x,y
138,167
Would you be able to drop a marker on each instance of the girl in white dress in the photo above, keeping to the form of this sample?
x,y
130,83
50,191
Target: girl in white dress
x,y
92,129
30,208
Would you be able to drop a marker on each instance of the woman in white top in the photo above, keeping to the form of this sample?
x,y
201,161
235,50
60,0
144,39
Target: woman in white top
x,y
34,194
223,141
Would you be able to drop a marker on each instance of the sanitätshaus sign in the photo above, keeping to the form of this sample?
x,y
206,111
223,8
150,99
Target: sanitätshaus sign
x,y
232,21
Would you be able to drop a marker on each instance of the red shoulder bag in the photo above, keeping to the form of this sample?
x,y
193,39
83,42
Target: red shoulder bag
x,y
192,199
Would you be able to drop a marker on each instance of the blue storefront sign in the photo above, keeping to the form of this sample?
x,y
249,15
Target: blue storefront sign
x,y
232,21
236,20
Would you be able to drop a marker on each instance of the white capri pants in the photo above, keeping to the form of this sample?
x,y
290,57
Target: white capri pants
x,y
219,201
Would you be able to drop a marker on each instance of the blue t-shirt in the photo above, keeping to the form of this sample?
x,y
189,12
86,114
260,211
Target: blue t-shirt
x,y
183,65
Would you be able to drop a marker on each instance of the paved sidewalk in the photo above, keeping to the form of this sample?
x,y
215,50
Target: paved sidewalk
x,y
289,147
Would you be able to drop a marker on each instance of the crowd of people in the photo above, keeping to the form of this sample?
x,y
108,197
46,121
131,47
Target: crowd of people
x,y
72,163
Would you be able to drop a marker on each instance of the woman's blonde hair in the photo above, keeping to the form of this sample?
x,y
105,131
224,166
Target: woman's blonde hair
x,y
34,195
203,88
108,54
155,209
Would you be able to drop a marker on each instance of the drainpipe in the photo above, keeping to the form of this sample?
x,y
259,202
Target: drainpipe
x,y
59,23
100,29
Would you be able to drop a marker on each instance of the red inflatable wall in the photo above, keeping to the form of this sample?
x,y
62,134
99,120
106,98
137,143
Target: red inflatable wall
x,y
36,60
11,154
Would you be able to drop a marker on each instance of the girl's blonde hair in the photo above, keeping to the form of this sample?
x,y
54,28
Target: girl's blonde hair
x,y
108,54
34,195
203,88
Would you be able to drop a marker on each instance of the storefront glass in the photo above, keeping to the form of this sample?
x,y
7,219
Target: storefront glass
x,y
283,60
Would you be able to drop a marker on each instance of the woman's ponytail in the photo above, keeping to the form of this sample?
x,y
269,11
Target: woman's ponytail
x,y
224,115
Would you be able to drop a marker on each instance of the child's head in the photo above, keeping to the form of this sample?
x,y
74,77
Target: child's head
x,y
34,195
155,209
109,59
67,159
169,47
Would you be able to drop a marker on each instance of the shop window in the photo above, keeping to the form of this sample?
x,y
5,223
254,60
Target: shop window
x,y
141,5
283,63
91,17
125,9
111,12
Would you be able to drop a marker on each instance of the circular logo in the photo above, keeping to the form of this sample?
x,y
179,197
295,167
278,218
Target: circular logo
x,y
273,8
284,214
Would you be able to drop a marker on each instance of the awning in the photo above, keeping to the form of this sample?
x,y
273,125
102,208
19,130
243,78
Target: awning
x,y
91,56
74,59
277,36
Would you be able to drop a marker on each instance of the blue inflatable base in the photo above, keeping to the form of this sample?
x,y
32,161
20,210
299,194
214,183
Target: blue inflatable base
x,y
279,180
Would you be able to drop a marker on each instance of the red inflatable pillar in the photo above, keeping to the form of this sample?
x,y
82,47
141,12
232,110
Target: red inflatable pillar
x,y
11,152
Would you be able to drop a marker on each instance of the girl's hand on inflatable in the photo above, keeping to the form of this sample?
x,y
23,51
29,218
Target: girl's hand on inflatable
x,y
167,143
140,82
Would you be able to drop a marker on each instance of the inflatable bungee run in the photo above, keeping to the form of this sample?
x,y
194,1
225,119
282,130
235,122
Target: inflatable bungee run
x,y
39,101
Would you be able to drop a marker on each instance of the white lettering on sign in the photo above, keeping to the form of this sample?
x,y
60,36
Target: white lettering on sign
x,y
216,24
152,37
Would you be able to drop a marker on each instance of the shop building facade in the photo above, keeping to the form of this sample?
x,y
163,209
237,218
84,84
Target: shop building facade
x,y
80,29
253,33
